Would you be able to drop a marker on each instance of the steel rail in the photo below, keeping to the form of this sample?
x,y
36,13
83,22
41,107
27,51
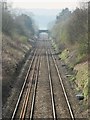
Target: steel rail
x,y
51,89
22,89
27,95
63,88
35,88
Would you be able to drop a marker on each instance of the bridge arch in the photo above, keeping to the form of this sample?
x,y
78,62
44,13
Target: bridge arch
x,y
43,31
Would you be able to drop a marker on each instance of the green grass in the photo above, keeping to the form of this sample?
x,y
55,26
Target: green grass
x,y
82,77
64,55
54,46
79,64
72,78
23,39
80,58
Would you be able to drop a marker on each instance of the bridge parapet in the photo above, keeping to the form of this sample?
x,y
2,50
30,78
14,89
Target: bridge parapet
x,y
41,31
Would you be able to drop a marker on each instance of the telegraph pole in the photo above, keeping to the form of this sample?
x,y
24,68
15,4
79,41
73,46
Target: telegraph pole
x,y
4,4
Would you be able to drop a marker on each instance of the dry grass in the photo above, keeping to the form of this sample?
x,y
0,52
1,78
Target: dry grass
x,y
13,53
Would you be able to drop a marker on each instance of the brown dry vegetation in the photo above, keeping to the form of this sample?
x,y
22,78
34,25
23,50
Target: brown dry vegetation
x,y
13,56
17,30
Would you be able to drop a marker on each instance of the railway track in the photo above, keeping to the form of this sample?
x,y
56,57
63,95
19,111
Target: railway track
x,y
67,107
34,92
25,106
56,114
51,88
22,102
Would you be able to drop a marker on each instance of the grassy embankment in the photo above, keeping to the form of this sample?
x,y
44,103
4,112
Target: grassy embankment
x,y
70,38
14,54
16,32
77,63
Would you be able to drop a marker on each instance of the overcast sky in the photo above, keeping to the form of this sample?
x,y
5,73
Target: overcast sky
x,y
45,4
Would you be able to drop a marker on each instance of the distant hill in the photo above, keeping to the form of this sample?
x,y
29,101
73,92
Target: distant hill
x,y
42,17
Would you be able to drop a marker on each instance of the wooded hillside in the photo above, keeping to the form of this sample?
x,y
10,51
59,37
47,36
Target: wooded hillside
x,y
70,39
17,30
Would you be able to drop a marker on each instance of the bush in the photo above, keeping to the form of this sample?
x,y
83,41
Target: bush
x,y
13,24
64,55
7,22
72,30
